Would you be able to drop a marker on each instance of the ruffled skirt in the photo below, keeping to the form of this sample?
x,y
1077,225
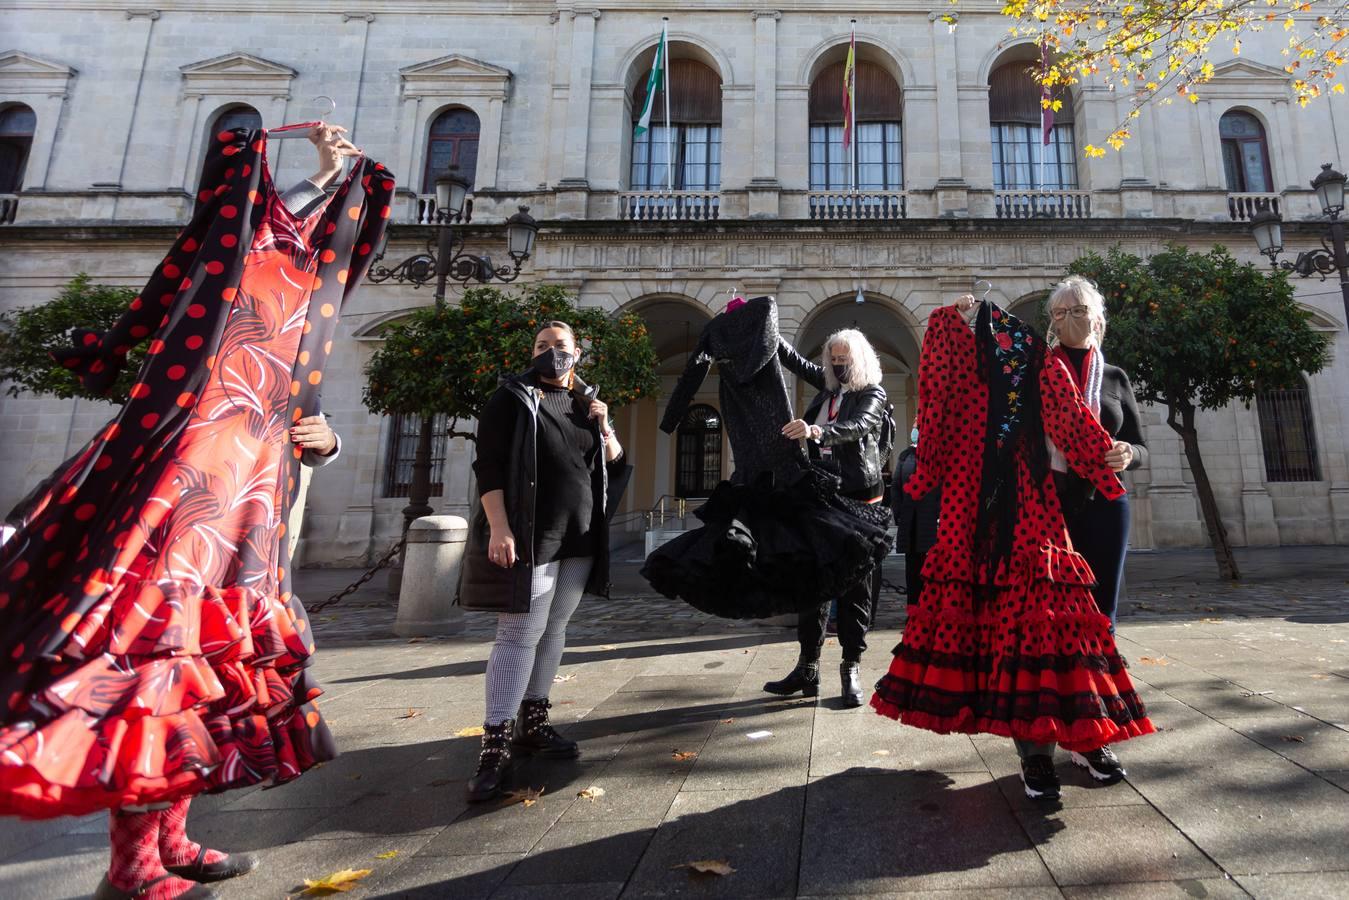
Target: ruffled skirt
x,y
189,690
1031,659
765,551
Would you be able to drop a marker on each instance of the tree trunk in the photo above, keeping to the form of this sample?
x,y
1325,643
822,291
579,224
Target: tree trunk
x,y
1189,437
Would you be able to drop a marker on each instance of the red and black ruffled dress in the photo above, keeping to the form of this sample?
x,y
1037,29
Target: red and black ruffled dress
x,y
152,646
1006,639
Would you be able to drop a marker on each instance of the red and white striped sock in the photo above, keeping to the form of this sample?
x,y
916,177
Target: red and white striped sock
x,y
174,847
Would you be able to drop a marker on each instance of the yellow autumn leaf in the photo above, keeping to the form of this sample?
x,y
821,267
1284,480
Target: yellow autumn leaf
x,y
336,883
389,855
1093,152
475,731
411,714
707,866
525,797
1337,89
682,755
591,793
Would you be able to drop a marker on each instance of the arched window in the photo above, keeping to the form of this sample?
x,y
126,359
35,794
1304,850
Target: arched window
x,y
236,117
692,135
1287,435
698,452
17,124
1018,139
453,141
1245,153
877,149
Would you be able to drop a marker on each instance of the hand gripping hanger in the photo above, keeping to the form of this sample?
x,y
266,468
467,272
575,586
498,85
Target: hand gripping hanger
x,y
302,129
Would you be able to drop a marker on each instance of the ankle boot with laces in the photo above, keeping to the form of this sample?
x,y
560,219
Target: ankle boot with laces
x,y
534,735
494,762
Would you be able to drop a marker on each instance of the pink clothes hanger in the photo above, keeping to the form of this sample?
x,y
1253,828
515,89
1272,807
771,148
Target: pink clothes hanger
x,y
302,129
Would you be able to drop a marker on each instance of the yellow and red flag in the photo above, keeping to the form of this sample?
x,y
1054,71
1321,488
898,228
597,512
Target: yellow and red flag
x,y
849,90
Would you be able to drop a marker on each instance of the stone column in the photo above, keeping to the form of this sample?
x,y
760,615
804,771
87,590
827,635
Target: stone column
x,y
1257,507
764,187
1135,187
181,175
432,558
489,148
1207,125
574,188
44,139
952,190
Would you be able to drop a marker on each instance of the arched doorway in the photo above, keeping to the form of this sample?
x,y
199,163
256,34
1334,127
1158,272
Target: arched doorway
x,y
890,333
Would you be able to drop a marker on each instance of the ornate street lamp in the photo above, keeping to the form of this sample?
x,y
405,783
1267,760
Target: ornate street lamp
x,y
1267,229
445,258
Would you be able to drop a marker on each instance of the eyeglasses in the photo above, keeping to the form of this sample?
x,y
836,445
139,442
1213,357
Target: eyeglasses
x,y
1078,312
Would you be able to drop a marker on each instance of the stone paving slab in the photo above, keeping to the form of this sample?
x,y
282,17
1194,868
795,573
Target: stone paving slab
x,y
1220,803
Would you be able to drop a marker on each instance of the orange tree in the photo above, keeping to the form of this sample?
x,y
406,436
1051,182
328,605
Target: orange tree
x,y
448,360
1199,331
29,335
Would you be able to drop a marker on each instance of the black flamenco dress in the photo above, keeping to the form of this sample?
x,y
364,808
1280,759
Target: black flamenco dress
x,y
777,537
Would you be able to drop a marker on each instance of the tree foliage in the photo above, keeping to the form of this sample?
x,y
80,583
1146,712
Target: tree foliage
x,y
29,334
1165,49
449,360
1199,331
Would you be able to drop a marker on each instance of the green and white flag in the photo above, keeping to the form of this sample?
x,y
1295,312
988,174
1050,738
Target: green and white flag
x,y
654,82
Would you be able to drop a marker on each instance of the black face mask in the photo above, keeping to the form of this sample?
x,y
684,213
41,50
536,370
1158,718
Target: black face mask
x,y
553,363
840,372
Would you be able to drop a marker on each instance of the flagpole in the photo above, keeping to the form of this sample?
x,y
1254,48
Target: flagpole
x,y
852,107
665,59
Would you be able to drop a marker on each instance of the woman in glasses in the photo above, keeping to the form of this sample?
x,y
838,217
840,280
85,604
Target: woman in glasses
x,y
1098,526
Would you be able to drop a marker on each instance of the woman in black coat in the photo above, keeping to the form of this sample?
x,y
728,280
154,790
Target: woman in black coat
x,y
538,539
843,427
915,520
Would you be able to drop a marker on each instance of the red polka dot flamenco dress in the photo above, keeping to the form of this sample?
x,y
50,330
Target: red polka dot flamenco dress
x,y
152,646
1007,639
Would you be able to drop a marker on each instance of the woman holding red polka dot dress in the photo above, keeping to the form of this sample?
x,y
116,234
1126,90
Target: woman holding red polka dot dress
x,y
153,647
1006,638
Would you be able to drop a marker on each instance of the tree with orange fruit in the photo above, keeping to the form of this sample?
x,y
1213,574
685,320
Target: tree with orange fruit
x,y
1199,331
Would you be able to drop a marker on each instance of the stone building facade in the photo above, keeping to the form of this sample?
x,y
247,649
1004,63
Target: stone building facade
x,y
104,109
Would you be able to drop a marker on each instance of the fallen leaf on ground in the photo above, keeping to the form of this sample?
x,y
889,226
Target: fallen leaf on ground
x,y
880,752
389,855
525,797
707,866
1295,739
1153,661
475,731
1256,693
336,883
727,721
608,647
411,714
558,679
1319,675
416,640
591,793
1211,621
682,755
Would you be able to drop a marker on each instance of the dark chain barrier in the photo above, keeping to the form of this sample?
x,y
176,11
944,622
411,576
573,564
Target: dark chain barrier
x,y
359,582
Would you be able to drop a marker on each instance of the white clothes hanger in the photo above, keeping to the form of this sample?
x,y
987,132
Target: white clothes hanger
x,y
302,129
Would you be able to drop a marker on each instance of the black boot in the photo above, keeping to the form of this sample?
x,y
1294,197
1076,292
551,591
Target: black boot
x,y
852,684
533,734
494,762
804,678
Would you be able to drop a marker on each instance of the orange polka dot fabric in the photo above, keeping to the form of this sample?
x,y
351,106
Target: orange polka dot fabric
x,y
155,647
1018,649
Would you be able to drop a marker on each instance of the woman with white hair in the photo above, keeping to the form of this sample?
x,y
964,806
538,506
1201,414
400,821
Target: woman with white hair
x,y
845,427
1098,526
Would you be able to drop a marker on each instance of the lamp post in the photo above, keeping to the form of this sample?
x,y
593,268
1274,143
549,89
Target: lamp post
x,y
1267,228
446,258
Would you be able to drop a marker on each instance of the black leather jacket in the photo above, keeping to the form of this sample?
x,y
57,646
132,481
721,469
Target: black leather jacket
x,y
855,434
488,587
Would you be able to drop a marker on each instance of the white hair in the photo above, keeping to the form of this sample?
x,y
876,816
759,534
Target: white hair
x,y
1077,290
866,366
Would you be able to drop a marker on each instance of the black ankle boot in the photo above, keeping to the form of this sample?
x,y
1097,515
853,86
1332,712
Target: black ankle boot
x,y
494,762
534,735
852,684
804,678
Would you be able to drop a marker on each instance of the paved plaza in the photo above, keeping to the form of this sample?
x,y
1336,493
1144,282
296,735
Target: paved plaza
x,y
1244,792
